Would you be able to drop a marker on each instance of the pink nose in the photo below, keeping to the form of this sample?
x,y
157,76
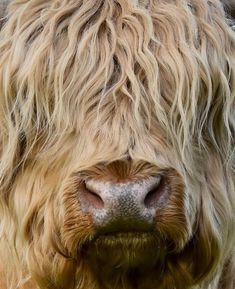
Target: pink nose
x,y
123,205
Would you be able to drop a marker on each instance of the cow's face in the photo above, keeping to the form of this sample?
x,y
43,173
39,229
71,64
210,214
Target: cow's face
x,y
117,150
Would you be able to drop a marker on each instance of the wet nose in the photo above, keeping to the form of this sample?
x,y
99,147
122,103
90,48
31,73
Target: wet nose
x,y
123,206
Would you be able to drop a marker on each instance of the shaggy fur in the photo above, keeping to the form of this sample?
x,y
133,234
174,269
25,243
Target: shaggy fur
x,y
119,89
229,7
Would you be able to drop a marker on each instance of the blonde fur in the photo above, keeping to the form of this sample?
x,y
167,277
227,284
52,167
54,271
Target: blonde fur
x,y
88,84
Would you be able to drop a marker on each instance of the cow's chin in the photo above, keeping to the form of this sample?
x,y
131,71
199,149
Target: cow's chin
x,y
125,251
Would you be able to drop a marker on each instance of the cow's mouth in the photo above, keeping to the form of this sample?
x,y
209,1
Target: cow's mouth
x,y
125,250
126,239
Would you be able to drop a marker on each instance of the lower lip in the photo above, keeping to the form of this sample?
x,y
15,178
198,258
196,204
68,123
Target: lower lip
x,y
128,240
127,236
125,250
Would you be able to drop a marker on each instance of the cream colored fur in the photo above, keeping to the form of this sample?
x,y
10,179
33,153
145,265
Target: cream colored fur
x,y
84,84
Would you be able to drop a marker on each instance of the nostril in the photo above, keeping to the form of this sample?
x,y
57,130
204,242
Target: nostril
x,y
90,197
154,196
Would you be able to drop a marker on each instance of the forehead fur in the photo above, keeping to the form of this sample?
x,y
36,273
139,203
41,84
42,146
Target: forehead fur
x,y
117,74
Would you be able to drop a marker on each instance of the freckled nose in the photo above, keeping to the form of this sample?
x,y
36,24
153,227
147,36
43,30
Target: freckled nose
x,y
123,205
